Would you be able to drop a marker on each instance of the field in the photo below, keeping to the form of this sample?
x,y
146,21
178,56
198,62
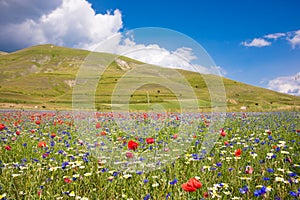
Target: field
x,y
62,155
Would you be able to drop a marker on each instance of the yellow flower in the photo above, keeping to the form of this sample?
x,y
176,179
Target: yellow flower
x,y
3,195
72,194
279,179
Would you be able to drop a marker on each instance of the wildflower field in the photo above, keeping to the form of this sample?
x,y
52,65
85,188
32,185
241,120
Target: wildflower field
x,y
47,155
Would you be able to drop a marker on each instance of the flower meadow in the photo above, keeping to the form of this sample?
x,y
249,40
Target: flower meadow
x,y
45,155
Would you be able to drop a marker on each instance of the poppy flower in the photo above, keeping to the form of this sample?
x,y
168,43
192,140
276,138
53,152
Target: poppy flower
x,y
8,148
67,180
98,125
196,183
37,122
188,187
132,145
226,143
42,144
222,133
150,140
18,132
238,152
103,133
205,194
2,126
53,135
192,185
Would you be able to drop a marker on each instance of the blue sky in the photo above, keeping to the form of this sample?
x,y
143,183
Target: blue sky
x,y
240,36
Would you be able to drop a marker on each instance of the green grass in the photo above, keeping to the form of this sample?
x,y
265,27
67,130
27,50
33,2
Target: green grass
x,y
40,75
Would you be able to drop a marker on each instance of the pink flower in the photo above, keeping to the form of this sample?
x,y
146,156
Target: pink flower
x,y
249,170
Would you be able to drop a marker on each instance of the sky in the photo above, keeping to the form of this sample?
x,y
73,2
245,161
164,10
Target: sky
x,y
251,41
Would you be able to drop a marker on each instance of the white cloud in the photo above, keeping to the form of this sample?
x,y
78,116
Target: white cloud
x,y
180,58
274,35
286,84
295,39
257,42
73,23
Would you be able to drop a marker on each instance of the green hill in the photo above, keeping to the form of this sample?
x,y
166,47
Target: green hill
x,y
44,76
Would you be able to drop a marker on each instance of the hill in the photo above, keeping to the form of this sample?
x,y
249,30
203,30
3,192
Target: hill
x,y
44,76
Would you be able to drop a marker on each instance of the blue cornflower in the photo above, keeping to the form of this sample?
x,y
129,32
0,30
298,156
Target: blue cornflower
x,y
64,165
147,197
219,164
292,174
174,181
146,181
266,178
270,170
244,190
85,159
294,194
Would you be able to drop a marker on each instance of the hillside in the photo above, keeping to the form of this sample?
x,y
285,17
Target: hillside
x,y
44,76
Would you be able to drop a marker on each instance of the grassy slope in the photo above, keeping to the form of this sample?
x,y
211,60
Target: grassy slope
x,y
40,75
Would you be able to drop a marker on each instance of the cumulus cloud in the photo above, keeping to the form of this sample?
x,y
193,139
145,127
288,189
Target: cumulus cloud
x,y
292,37
257,42
74,23
71,23
180,58
286,84
294,40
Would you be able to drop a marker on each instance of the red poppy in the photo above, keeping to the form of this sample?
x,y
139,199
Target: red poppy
x,y
205,194
38,122
53,135
150,140
42,144
8,148
18,132
2,126
226,143
67,180
98,125
238,152
196,183
32,131
192,185
103,133
269,132
188,187
132,145
222,133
